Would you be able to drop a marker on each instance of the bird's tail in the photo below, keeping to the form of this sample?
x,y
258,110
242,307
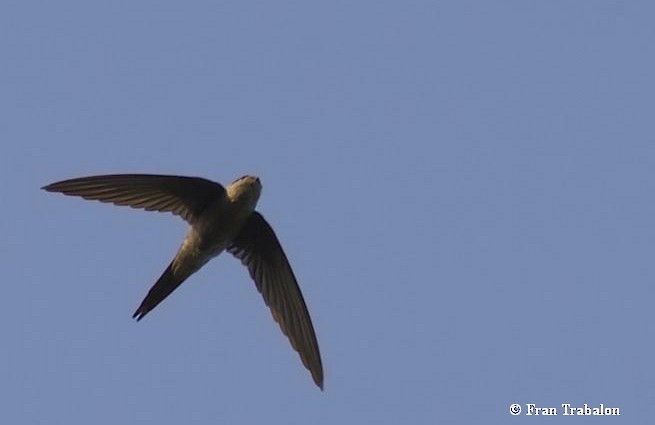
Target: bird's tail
x,y
166,284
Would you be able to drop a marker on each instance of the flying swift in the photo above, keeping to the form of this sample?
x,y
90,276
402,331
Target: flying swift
x,y
221,219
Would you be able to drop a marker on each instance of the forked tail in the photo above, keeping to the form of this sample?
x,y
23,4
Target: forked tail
x,y
166,284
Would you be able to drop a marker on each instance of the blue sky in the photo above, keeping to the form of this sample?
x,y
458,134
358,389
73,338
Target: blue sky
x,y
464,190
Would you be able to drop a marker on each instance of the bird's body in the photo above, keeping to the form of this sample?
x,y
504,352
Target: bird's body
x,y
213,231
216,227
220,219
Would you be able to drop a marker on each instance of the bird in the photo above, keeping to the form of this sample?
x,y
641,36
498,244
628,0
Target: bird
x,y
220,219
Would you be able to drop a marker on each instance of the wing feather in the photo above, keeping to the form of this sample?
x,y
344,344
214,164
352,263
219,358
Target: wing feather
x,y
183,196
260,251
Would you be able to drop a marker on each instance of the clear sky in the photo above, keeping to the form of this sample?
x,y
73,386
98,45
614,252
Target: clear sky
x,y
464,190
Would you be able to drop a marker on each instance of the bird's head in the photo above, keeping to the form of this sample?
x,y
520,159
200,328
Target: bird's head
x,y
246,189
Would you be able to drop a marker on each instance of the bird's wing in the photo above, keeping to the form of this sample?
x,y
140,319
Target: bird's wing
x,y
183,196
259,249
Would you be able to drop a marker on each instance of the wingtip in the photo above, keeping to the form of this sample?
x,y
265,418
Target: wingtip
x,y
52,187
138,315
319,382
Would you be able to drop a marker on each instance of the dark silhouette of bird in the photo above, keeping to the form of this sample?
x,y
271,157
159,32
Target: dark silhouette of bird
x,y
220,219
